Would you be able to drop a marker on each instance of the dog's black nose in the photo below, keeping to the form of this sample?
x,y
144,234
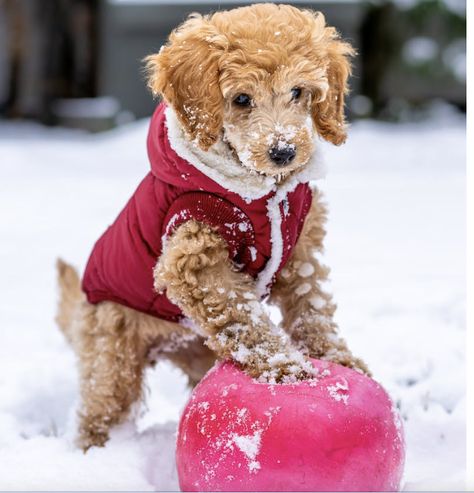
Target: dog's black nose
x,y
282,156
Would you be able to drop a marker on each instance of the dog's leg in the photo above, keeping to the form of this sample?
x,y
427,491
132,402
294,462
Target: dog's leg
x,y
306,308
111,362
110,356
198,276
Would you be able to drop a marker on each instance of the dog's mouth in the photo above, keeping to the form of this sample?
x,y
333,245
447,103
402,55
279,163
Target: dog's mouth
x,y
279,173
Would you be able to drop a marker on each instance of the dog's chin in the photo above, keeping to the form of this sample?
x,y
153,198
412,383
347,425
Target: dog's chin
x,y
278,173
267,169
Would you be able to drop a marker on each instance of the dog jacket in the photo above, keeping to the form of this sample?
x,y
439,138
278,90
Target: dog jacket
x,y
261,226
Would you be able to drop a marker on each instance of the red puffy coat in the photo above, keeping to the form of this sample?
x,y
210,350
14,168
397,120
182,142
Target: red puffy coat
x,y
260,226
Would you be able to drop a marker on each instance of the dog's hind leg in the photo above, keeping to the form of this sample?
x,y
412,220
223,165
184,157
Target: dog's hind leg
x,y
112,357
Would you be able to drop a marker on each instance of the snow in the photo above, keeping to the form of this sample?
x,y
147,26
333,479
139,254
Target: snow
x,y
395,245
305,269
242,353
250,446
317,302
253,253
339,390
303,289
284,133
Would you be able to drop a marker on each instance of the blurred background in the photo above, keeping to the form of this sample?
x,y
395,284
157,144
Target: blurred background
x,y
78,62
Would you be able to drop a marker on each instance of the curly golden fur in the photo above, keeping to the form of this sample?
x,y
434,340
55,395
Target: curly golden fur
x,y
293,69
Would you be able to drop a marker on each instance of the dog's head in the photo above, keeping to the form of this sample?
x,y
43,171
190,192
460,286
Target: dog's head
x,y
263,78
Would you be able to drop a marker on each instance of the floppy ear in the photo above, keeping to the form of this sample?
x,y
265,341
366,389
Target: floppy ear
x,y
328,111
185,72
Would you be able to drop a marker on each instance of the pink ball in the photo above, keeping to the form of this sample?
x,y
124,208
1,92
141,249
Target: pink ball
x,y
339,432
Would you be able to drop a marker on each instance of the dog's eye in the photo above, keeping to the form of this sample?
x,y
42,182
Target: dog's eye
x,y
243,100
295,93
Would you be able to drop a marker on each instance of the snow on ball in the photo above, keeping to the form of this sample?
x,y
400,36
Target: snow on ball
x,y
338,432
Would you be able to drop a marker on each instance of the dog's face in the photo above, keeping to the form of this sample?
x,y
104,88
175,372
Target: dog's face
x,y
263,78
267,121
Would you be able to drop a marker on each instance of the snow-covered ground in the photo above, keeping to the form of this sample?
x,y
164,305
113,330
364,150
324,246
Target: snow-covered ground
x,y
395,245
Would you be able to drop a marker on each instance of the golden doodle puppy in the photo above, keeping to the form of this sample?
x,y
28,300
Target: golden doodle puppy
x,y
225,219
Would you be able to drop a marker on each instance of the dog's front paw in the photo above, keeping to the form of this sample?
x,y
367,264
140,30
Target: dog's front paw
x,y
325,344
263,352
284,367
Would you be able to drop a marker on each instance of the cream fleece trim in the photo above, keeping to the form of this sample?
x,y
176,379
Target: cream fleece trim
x,y
219,164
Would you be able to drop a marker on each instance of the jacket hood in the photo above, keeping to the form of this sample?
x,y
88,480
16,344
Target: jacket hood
x,y
179,162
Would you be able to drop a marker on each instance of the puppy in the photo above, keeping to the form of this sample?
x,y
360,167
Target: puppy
x,y
225,218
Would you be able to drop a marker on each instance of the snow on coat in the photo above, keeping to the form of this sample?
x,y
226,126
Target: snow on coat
x,y
260,225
